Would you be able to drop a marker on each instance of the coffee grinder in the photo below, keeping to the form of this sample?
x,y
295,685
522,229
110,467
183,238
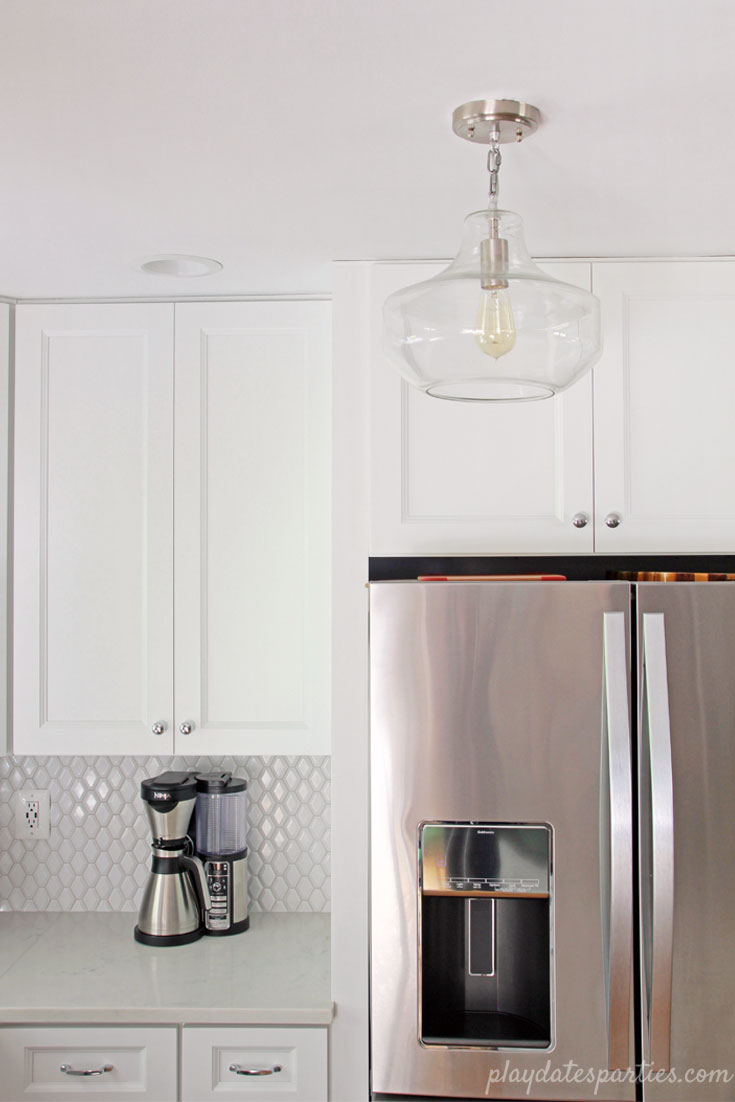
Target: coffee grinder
x,y
221,845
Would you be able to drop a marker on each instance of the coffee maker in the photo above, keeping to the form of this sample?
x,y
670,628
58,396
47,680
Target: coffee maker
x,y
171,909
189,894
221,843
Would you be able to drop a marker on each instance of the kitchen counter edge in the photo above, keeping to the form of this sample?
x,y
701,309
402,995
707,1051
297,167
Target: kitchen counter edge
x,y
85,968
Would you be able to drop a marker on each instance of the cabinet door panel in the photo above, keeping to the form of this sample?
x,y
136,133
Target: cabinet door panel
x,y
93,529
252,501
664,395
130,1063
454,477
276,1063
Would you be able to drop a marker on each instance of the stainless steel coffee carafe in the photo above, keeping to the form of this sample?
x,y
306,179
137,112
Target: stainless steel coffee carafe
x,y
176,895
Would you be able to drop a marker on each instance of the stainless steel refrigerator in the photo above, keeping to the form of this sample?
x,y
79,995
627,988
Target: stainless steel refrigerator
x,y
553,840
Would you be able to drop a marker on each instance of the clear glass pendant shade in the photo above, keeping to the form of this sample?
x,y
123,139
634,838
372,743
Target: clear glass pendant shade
x,y
492,326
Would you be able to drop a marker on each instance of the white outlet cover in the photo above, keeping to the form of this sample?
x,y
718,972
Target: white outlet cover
x,y
32,807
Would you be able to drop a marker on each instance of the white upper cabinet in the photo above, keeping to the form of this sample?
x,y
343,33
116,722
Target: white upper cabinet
x,y
172,529
252,527
93,609
664,401
487,478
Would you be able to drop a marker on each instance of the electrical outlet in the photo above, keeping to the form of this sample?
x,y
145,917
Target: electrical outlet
x,y
32,814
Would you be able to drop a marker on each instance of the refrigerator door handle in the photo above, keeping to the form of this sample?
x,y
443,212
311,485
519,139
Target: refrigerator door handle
x,y
617,869
657,723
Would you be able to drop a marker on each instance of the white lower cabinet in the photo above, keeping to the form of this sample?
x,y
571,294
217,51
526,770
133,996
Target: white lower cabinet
x,y
84,1062
111,1063
273,1063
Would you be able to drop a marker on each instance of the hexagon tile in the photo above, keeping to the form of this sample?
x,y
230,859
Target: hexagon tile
x,y
98,854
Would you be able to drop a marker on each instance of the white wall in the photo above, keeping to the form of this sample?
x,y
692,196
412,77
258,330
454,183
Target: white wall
x,y
5,330
349,1069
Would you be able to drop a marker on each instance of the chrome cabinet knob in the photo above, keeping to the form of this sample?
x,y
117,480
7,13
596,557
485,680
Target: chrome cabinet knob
x,y
159,727
186,727
580,520
612,520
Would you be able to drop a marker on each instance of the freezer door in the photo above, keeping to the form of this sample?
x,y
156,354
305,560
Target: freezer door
x,y
500,704
686,648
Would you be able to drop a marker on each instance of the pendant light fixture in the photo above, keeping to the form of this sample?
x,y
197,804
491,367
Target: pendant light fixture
x,y
492,326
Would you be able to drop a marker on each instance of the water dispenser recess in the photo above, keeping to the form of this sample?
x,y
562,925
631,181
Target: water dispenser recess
x,y
486,923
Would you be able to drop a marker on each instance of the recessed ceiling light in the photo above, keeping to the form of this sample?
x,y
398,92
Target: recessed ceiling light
x,y
175,264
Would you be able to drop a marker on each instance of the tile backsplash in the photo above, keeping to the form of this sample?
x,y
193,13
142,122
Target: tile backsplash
x,y
98,853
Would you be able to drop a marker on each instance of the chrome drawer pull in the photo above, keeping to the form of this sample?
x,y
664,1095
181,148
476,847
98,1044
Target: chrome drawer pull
x,y
69,1070
238,1070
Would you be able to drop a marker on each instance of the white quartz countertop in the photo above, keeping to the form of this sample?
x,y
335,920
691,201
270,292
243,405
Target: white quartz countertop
x,y
84,967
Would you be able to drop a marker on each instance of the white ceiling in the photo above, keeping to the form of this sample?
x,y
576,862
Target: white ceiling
x,y
277,135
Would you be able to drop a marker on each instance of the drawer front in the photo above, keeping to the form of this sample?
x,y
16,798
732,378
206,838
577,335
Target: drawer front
x,y
285,1065
129,1063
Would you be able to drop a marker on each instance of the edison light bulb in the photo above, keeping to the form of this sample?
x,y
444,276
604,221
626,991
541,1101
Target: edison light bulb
x,y
495,332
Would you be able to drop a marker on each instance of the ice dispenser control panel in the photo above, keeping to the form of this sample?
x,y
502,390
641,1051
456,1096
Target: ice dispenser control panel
x,y
495,859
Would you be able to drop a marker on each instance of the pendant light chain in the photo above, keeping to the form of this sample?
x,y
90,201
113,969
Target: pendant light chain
x,y
494,160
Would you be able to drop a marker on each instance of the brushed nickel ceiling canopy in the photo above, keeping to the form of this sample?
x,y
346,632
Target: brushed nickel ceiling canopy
x,y
500,120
